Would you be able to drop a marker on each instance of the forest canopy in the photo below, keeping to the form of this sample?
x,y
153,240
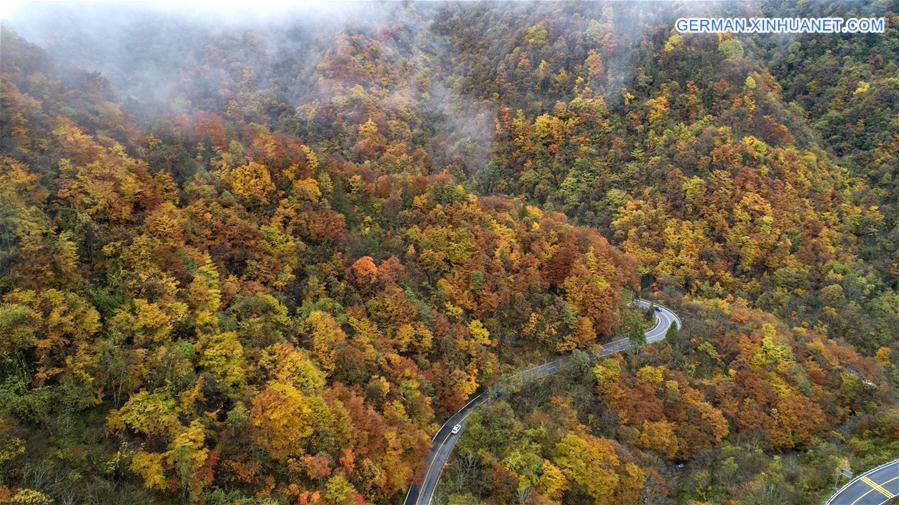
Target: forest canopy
x,y
261,259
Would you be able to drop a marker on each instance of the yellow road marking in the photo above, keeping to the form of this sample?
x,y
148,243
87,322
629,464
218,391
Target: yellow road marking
x,y
431,467
877,486
872,489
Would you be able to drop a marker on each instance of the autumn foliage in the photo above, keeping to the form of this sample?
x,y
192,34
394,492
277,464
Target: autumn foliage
x,y
271,278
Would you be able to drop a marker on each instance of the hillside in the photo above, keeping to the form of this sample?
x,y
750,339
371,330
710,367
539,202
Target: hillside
x,y
260,261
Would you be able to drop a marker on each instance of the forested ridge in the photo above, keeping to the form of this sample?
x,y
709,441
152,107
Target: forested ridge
x,y
262,262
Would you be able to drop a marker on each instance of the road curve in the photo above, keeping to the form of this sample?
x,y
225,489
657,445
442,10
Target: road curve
x,y
874,487
444,440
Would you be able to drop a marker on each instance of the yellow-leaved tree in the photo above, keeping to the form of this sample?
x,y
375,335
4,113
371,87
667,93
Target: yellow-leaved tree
x,y
281,419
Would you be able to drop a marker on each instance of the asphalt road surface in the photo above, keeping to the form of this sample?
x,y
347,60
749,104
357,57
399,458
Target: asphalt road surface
x,y
444,440
874,487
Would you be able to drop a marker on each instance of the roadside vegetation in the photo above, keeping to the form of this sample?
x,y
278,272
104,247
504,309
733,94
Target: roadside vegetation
x,y
260,261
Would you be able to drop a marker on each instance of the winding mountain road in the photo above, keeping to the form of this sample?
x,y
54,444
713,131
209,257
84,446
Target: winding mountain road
x,y
445,440
874,487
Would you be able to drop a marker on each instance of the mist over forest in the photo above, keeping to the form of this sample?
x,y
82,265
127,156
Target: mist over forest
x,y
259,254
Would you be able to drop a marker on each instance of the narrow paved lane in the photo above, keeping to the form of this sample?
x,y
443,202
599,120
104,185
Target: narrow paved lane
x,y
874,487
445,440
